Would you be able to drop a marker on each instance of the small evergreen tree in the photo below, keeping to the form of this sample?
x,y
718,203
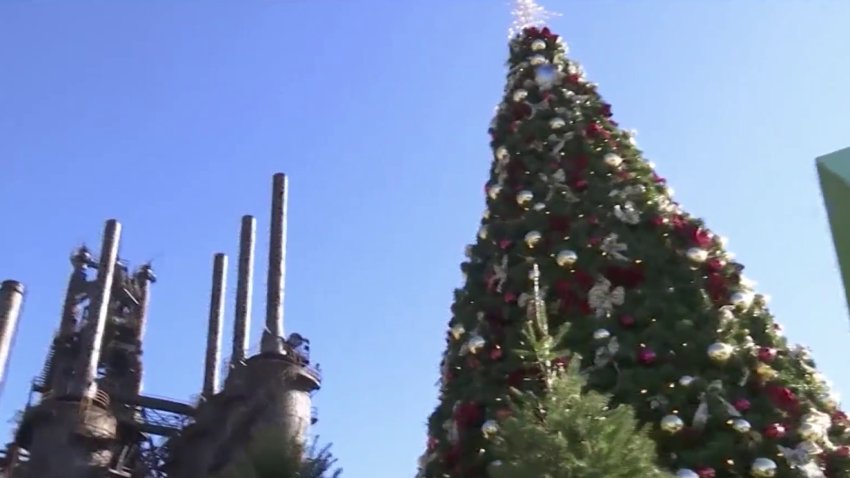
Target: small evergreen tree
x,y
276,458
564,433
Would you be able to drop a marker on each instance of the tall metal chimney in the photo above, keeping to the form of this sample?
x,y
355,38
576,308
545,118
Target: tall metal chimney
x,y
213,356
244,289
273,332
85,369
11,299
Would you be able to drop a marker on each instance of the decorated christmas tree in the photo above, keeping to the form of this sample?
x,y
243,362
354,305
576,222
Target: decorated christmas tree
x,y
662,316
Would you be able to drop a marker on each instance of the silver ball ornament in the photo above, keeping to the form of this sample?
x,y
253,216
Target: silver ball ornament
x,y
763,468
672,424
697,255
520,95
467,251
482,232
601,334
533,238
686,473
566,258
686,380
720,352
539,206
502,153
538,45
524,198
613,160
537,60
741,299
546,76
490,428
741,426
557,123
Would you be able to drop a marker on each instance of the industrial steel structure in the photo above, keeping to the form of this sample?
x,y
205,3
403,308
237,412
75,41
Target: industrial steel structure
x,y
87,416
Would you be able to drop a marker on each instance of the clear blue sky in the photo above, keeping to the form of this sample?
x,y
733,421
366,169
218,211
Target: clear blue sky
x,y
172,117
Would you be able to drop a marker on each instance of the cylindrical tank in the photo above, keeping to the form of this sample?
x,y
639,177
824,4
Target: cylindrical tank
x,y
11,300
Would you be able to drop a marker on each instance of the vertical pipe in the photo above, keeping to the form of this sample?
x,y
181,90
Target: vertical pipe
x,y
11,299
211,373
144,278
271,340
85,371
244,289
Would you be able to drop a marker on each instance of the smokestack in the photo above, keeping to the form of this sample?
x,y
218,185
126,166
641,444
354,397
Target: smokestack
x,y
273,332
211,373
244,289
11,299
85,370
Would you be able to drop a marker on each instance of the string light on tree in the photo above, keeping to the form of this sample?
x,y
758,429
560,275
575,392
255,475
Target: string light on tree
x,y
528,13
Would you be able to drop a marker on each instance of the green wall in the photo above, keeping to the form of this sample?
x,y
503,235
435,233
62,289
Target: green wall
x,y
834,174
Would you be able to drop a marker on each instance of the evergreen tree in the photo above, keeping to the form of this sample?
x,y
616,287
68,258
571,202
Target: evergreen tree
x,y
563,433
276,457
661,314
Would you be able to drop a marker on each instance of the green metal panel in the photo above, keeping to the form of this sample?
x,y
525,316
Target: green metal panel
x,y
834,174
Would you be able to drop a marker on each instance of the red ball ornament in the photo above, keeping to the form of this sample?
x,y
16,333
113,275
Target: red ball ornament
x,y
627,320
706,472
496,353
775,431
510,297
842,451
839,419
647,356
713,265
742,404
767,354
504,244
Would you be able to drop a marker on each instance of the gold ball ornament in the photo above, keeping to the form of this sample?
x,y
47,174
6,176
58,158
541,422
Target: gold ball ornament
x,y
533,238
494,191
741,426
502,153
482,232
566,258
672,424
613,160
601,334
765,372
686,380
538,45
557,123
520,95
490,428
457,330
720,352
524,198
809,431
763,468
537,60
695,254
686,473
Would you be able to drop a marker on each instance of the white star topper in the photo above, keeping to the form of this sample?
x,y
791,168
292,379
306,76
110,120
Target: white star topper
x,y
528,13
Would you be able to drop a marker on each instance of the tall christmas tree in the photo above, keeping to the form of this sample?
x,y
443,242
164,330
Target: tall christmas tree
x,y
661,315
